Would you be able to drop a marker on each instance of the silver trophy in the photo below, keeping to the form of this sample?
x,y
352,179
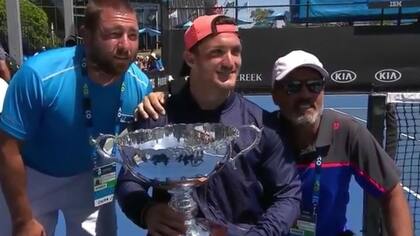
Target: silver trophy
x,y
178,157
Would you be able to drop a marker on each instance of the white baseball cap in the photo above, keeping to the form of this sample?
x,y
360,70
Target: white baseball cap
x,y
298,58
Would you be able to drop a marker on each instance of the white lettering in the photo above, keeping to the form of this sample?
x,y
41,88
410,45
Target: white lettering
x,y
344,76
388,76
250,77
395,4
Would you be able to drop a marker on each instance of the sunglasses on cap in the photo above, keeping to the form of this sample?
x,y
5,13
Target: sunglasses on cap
x,y
295,86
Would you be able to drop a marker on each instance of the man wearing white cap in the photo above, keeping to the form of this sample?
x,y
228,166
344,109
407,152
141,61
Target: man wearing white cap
x,y
330,148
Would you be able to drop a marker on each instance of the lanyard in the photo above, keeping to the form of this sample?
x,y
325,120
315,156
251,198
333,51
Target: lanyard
x,y
317,186
87,111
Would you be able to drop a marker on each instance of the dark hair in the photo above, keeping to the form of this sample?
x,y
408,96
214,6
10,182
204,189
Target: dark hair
x,y
220,20
94,9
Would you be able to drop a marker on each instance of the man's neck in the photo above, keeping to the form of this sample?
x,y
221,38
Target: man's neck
x,y
207,99
100,77
304,136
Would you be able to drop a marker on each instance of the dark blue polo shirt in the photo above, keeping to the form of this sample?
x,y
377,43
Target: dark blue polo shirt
x,y
260,197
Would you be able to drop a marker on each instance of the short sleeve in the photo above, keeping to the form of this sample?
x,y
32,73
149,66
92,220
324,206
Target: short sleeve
x,y
143,79
375,171
22,104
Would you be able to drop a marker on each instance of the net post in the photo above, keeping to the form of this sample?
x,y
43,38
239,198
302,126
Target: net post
x,y
373,221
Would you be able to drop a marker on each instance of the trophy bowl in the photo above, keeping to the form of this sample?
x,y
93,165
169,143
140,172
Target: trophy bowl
x,y
178,157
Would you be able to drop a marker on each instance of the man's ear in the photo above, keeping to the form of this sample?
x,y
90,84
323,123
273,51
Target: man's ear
x,y
189,58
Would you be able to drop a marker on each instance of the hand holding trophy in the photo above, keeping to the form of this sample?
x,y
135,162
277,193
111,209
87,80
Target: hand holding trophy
x,y
178,157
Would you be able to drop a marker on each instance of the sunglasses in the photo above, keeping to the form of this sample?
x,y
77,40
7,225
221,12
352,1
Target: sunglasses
x,y
295,86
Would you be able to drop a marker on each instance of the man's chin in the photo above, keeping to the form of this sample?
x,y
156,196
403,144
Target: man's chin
x,y
305,120
228,85
120,68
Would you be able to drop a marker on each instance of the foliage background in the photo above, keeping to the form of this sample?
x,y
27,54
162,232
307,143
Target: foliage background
x,y
36,27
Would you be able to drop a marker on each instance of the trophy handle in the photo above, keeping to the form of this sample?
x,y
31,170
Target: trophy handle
x,y
100,143
257,139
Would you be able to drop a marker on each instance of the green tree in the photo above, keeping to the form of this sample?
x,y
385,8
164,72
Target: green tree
x,y
260,16
35,26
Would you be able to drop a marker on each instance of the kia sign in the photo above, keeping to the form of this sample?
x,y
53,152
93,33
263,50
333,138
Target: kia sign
x,y
388,75
366,59
343,76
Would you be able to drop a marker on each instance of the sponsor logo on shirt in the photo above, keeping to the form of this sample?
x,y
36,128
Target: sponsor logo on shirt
x,y
126,118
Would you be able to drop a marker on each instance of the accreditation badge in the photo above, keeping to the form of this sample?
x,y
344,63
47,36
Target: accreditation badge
x,y
104,176
104,182
304,226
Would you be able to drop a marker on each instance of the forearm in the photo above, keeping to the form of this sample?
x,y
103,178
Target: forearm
x,y
278,218
132,197
13,183
397,213
133,205
282,186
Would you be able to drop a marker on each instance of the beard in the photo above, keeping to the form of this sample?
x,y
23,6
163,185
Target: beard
x,y
306,119
108,64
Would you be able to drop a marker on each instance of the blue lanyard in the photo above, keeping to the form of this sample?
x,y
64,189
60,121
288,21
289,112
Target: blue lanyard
x,y
317,186
87,111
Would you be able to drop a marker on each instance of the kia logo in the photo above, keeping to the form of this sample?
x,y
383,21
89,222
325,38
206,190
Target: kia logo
x,y
343,76
387,75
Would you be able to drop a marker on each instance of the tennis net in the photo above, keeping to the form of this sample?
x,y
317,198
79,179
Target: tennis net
x,y
403,144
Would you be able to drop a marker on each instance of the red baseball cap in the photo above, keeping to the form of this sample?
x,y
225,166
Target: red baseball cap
x,y
204,26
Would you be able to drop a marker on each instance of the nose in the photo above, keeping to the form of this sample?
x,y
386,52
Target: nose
x,y
124,41
123,45
228,60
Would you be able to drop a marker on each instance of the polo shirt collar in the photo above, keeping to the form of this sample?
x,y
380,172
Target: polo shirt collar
x,y
325,131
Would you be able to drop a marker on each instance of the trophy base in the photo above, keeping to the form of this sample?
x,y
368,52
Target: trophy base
x,y
198,230
201,227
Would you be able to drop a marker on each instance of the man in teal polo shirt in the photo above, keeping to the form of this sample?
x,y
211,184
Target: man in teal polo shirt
x,y
57,103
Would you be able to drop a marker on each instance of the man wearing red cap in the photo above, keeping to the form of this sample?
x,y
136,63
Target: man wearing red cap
x,y
262,195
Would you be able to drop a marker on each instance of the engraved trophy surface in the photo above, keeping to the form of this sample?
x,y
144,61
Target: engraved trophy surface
x,y
178,157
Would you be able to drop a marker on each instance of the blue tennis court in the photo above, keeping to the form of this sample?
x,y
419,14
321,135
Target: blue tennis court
x,y
354,105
